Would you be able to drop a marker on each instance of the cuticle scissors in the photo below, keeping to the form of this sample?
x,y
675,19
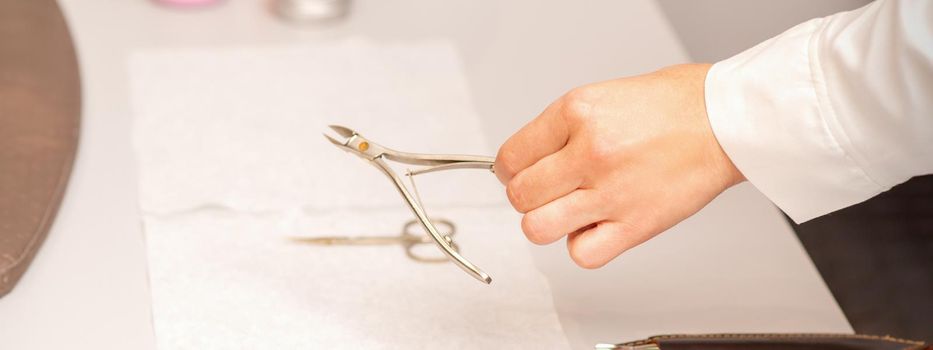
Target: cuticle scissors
x,y
407,239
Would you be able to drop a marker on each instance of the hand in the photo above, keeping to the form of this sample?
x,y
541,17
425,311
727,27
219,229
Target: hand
x,y
613,164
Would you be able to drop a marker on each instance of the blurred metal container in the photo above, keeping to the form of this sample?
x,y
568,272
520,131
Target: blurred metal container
x,y
311,11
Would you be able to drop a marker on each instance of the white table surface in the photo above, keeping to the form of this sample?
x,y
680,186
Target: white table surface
x,y
735,267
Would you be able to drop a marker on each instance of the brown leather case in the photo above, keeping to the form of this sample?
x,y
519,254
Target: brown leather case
x,y
40,107
770,342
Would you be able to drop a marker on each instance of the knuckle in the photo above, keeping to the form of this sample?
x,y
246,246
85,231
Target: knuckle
x,y
577,104
531,226
599,150
514,192
506,163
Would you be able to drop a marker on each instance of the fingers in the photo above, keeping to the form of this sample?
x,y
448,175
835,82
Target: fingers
x,y
542,136
596,246
567,214
550,178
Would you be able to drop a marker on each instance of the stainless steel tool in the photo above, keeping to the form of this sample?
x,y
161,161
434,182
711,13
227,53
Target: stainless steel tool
x,y
377,155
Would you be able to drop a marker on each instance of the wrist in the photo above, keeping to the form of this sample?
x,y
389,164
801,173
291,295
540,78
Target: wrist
x,y
720,162
729,173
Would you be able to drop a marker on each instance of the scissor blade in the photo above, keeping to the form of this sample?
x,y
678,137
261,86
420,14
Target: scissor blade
x,y
343,131
359,240
334,141
317,240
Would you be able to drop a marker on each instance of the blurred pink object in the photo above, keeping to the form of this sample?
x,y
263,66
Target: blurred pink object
x,y
187,3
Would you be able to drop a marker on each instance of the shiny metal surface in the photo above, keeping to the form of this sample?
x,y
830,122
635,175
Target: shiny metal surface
x,y
407,239
627,347
311,11
376,155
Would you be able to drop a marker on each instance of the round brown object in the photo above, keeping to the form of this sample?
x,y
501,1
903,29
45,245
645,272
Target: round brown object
x,y
40,108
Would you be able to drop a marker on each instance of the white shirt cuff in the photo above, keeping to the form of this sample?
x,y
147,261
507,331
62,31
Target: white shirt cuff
x,y
769,110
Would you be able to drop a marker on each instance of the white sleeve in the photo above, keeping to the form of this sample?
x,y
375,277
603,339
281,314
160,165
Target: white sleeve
x,y
833,111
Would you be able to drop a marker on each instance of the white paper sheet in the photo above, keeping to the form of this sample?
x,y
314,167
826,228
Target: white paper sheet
x,y
241,128
232,163
224,281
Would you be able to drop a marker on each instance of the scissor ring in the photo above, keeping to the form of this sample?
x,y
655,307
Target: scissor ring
x,y
411,240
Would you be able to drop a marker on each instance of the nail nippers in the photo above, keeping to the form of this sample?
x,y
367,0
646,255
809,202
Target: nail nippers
x,y
377,155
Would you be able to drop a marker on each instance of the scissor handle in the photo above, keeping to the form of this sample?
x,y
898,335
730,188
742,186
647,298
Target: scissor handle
x,y
439,239
488,165
433,159
376,155
369,150
445,227
411,240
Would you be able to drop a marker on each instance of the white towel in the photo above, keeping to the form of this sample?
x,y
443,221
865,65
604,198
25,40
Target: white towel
x,y
232,163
